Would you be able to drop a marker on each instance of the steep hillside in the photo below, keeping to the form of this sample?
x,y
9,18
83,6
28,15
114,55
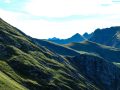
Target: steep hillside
x,y
106,52
107,36
28,64
75,38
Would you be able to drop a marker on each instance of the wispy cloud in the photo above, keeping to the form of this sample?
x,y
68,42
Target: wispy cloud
x,y
7,1
62,8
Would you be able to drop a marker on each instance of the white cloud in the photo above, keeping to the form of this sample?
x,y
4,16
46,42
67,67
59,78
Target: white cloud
x,y
61,8
43,28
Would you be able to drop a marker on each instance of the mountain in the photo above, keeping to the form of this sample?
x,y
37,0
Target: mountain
x,y
108,53
75,38
26,66
54,38
85,59
87,36
31,64
107,36
90,62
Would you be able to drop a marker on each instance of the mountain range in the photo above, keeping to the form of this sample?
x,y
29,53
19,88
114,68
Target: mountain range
x,y
28,63
75,38
107,36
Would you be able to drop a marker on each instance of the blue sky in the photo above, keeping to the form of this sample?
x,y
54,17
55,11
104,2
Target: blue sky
x,y
60,18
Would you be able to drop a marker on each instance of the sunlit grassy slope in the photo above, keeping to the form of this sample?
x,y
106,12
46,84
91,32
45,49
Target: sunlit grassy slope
x,y
7,83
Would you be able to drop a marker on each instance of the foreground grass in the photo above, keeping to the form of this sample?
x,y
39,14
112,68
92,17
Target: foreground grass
x,y
6,83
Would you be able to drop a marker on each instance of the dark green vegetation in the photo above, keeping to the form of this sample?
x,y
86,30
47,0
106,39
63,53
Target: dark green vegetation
x,y
32,64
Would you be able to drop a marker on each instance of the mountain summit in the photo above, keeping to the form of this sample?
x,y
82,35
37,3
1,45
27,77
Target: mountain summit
x,y
87,36
77,36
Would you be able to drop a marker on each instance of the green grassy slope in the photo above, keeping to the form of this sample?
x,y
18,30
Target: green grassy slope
x,y
7,83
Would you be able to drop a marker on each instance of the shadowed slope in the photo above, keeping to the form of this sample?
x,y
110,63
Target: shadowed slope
x,y
108,53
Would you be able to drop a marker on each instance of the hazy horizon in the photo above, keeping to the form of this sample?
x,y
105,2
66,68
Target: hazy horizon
x,y
60,18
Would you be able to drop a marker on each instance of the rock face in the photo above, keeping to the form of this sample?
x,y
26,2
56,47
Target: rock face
x,y
107,36
102,73
75,38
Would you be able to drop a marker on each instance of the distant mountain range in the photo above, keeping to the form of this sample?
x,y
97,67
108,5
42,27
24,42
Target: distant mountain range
x,y
28,63
107,36
75,38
